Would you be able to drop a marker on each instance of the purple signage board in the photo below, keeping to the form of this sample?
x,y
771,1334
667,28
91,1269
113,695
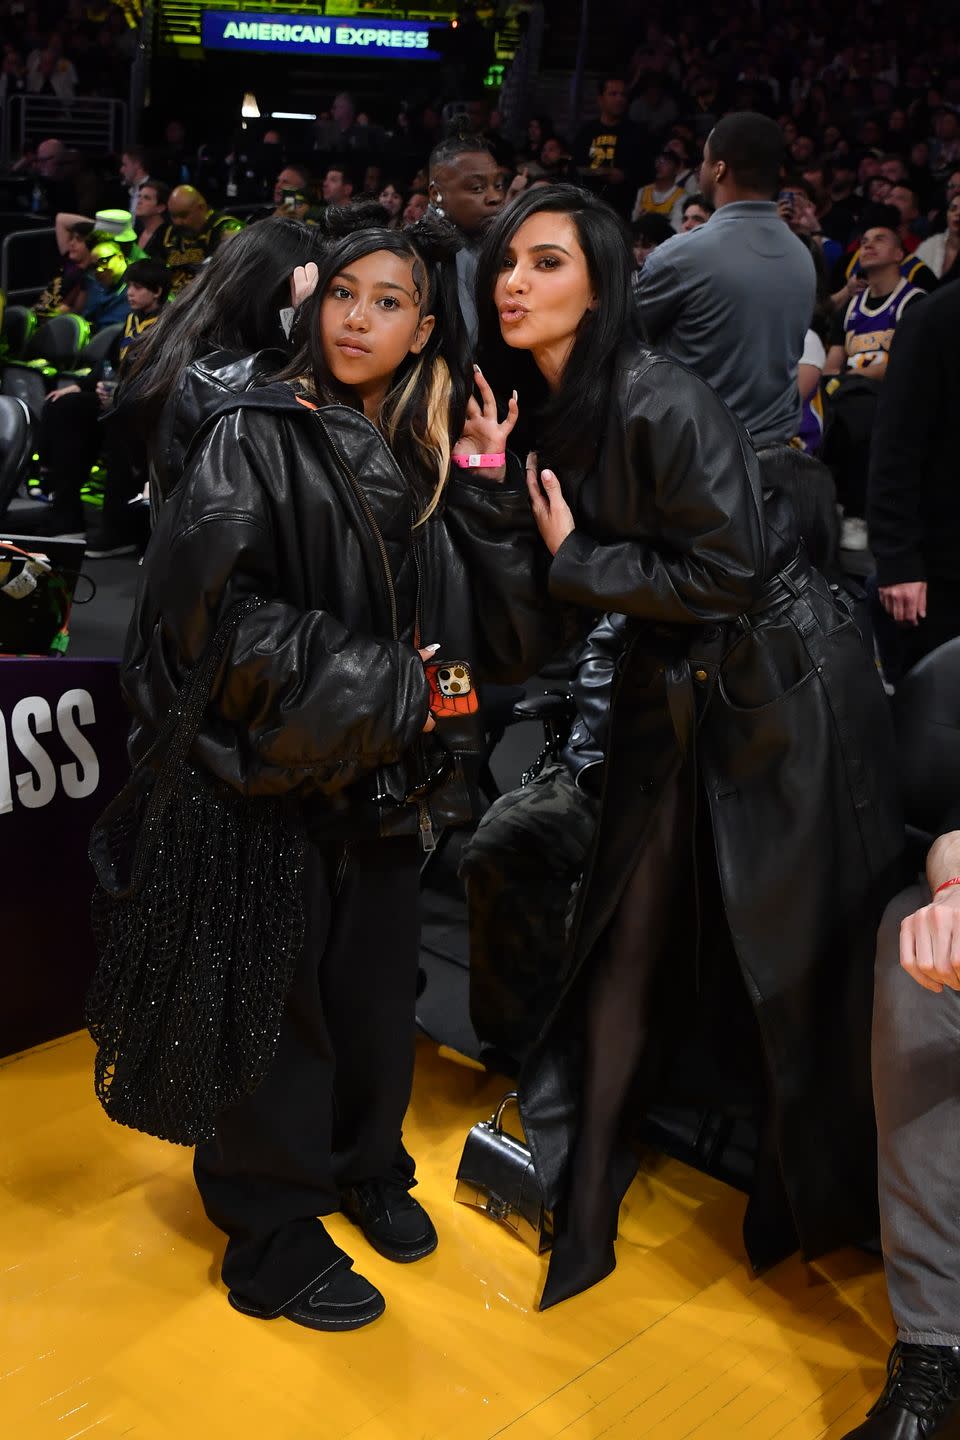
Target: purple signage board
x,y
63,734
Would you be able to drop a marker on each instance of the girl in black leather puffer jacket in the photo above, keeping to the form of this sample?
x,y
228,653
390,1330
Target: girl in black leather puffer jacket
x,y
327,492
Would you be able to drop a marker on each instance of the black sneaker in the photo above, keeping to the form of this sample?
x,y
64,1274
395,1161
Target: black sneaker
x,y
921,1399
396,1225
337,1300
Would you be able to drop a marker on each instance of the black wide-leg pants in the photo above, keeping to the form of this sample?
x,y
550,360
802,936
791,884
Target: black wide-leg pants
x,y
329,1112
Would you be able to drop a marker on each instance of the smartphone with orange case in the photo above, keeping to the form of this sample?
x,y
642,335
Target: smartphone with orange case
x,y
452,691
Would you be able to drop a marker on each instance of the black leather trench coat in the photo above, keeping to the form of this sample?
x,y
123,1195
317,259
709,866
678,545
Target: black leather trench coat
x,y
741,659
322,694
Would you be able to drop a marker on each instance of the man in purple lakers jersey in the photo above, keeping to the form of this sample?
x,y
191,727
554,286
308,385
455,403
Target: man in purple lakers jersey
x,y
859,349
864,331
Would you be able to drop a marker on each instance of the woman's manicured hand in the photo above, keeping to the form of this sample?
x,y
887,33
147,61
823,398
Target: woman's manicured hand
x,y
303,282
552,513
483,432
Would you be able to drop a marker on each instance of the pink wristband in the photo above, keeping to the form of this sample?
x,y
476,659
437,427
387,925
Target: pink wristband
x,y
947,884
479,462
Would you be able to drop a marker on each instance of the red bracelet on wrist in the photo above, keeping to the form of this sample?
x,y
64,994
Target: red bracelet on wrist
x,y
946,885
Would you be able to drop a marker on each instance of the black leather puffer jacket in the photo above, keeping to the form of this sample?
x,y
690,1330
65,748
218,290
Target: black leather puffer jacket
x,y
322,692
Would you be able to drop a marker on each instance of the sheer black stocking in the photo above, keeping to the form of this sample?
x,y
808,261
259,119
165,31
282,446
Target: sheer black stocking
x,y
618,1022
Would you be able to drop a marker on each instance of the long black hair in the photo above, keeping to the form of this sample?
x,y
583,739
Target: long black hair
x,y
425,407
565,425
233,304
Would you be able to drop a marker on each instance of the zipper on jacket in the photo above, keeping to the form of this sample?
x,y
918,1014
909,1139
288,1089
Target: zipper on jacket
x,y
418,617
428,840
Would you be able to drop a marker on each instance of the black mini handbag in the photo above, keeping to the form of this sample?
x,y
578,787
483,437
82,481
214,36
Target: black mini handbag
x,y
496,1175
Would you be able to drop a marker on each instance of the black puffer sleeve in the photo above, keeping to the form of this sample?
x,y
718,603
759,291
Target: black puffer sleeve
x,y
301,702
707,557
516,625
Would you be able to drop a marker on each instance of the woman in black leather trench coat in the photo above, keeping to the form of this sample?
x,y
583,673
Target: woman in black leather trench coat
x,y
749,832
365,550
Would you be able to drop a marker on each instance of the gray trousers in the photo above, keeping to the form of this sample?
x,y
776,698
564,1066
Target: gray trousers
x,y
916,1086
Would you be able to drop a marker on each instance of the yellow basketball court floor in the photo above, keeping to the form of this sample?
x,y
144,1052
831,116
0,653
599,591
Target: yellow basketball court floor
x,y
114,1323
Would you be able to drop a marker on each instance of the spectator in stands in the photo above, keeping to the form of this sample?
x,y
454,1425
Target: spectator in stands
x,y
648,232
528,173
67,291
916,1040
467,191
733,299
151,218
71,437
539,131
416,207
391,198
798,209
117,225
194,233
907,202
951,188
945,142
912,482
663,195
608,151
858,353
13,76
688,175
134,173
48,165
654,109
106,302
942,252
51,74
483,123
863,332
839,210
893,168
341,133
557,161
849,276
292,195
338,185
372,179
173,157
696,211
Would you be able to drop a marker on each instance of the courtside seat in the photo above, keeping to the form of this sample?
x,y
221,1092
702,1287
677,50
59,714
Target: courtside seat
x,y
19,323
16,431
59,341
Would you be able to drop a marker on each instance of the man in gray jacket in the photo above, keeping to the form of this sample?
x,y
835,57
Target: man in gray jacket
x,y
734,298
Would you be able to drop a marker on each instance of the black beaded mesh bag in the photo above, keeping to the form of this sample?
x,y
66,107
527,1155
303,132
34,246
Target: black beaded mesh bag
x,y
198,921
